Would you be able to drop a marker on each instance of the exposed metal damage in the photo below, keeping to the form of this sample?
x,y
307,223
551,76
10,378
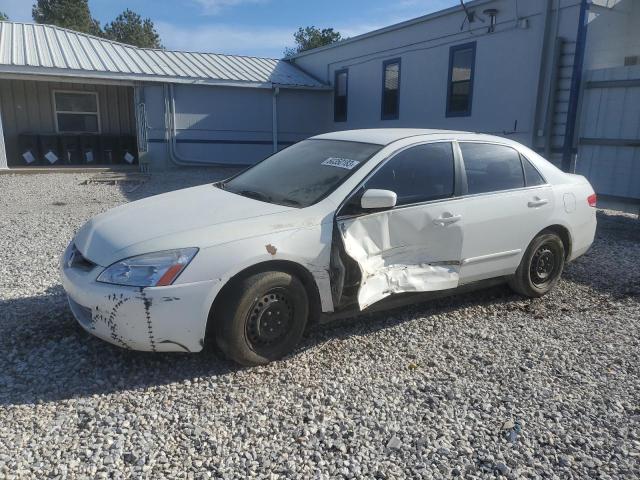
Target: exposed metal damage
x,y
109,319
271,250
170,299
147,301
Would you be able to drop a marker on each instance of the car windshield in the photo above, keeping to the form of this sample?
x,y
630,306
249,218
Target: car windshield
x,y
302,174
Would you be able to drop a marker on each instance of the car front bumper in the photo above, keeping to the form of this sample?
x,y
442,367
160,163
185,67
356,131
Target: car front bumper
x,y
156,319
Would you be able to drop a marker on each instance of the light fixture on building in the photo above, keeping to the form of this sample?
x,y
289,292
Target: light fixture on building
x,y
493,13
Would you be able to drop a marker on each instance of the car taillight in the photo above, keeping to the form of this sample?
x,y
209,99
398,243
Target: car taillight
x,y
592,199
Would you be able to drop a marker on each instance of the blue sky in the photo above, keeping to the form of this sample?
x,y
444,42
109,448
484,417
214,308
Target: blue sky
x,y
249,27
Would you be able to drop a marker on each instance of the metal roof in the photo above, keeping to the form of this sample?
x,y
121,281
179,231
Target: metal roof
x,y
27,48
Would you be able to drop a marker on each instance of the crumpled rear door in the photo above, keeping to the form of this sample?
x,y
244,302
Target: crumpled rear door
x,y
408,249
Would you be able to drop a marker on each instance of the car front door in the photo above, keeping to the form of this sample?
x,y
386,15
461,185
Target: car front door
x,y
415,246
503,209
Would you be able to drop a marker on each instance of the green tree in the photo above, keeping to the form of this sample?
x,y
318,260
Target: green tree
x,y
71,14
3,17
131,29
312,37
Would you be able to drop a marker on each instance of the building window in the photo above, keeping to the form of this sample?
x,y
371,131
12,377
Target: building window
x,y
462,59
340,97
391,89
76,112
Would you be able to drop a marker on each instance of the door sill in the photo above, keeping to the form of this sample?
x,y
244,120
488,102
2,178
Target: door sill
x,y
404,299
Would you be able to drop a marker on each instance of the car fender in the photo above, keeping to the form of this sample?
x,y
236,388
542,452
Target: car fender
x,y
308,247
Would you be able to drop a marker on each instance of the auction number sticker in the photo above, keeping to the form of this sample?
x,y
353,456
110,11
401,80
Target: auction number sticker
x,y
341,162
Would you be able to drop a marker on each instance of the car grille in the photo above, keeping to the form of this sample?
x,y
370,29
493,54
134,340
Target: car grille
x,y
82,313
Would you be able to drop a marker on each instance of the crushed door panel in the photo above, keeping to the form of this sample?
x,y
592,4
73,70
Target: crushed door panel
x,y
404,250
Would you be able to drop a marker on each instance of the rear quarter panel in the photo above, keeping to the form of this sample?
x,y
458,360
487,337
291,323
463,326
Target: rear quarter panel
x,y
575,214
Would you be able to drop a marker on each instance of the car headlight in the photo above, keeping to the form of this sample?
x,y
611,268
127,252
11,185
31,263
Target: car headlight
x,y
149,270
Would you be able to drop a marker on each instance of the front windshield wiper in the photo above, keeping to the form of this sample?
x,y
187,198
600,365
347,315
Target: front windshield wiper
x,y
289,202
255,195
262,197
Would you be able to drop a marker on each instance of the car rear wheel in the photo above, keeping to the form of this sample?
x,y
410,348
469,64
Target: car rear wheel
x,y
541,266
263,318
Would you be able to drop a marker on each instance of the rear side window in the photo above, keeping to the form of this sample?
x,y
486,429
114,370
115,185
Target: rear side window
x,y
491,168
532,176
418,174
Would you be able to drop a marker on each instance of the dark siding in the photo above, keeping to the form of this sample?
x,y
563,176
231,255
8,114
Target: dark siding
x,y
27,107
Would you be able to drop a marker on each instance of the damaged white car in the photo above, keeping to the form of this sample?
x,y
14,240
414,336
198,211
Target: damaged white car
x,y
333,224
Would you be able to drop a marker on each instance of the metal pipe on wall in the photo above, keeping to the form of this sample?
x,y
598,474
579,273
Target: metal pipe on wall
x,y
576,80
3,151
274,120
542,72
171,131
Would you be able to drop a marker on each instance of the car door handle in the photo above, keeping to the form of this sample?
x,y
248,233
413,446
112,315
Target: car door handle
x,y
537,202
445,220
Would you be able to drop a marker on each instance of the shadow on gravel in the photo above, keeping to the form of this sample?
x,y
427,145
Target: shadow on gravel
x,y
47,356
611,265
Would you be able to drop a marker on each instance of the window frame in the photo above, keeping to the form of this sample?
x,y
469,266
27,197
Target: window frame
x,y
335,95
452,51
459,176
77,92
385,64
524,158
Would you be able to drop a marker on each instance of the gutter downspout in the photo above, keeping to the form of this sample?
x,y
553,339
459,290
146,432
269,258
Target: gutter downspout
x,y
542,73
3,151
274,121
576,80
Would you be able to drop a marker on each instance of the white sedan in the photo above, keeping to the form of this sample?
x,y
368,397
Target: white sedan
x,y
332,224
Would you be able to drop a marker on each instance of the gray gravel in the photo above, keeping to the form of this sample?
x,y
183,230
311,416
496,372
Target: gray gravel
x,y
480,385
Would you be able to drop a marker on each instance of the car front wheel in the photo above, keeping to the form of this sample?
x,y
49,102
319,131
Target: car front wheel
x,y
541,266
263,318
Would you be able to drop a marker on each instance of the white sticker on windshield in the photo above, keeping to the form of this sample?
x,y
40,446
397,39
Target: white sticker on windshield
x,y
340,162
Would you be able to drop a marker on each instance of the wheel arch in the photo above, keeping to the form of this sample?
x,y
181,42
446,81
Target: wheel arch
x,y
288,266
564,234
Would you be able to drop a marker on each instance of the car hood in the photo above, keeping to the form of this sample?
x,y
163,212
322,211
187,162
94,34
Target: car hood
x,y
194,217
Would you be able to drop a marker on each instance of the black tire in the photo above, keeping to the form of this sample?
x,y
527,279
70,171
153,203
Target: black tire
x,y
262,318
541,266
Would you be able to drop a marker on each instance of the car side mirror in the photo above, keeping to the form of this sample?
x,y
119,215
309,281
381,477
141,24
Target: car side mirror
x,y
374,199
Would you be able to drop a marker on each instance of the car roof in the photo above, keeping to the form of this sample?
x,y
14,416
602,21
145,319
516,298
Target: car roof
x,y
385,136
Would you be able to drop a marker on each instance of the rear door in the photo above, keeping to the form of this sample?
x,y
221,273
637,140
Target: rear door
x,y
417,245
503,209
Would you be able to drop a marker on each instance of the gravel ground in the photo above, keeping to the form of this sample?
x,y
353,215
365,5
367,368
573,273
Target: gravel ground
x,y
480,385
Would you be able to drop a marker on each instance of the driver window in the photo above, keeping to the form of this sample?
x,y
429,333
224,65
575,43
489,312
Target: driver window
x,y
418,174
